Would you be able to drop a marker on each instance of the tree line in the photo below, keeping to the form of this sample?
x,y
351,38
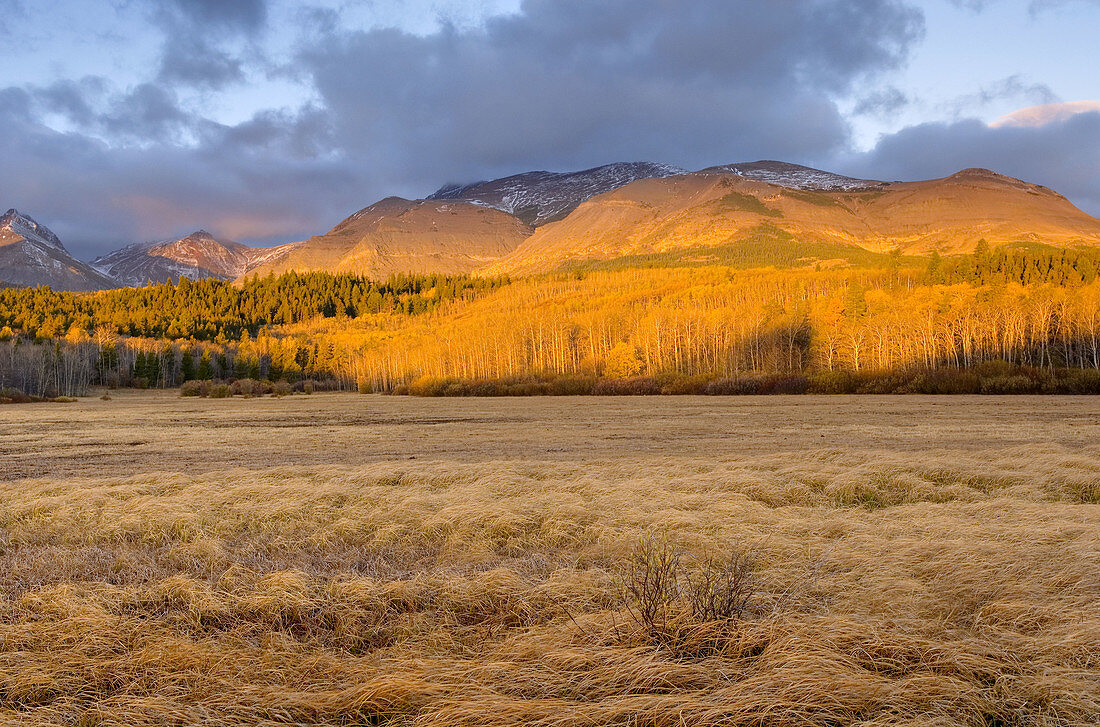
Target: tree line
x,y
71,365
209,309
1023,265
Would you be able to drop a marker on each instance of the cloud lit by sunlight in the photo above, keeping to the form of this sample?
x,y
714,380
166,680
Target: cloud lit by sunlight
x,y
1044,114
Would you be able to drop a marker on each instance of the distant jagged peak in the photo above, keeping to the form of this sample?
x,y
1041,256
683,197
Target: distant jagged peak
x,y
199,238
30,230
795,176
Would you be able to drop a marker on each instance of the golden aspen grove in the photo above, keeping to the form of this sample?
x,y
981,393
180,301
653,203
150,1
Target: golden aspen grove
x,y
988,322
714,322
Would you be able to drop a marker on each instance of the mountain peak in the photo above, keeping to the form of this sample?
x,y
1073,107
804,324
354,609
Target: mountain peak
x,y
979,173
26,227
30,254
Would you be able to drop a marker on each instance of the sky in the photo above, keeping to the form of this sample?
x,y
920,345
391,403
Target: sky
x,y
266,121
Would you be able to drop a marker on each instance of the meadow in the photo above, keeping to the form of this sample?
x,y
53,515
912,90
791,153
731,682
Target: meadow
x,y
345,559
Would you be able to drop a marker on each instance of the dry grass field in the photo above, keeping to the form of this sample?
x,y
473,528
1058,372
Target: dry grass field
x,y
353,560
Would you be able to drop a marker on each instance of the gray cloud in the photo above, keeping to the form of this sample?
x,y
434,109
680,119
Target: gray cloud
x,y
217,15
882,103
147,113
196,33
192,61
569,83
1035,7
1039,6
973,5
262,180
1013,87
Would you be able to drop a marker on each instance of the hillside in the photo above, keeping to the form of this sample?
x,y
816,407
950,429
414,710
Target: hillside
x,y
30,254
397,235
725,205
198,255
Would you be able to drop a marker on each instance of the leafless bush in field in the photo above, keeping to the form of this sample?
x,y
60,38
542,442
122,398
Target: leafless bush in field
x,y
721,589
653,587
669,593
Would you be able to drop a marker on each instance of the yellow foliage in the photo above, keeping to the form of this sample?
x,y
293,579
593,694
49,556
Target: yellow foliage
x,y
622,362
719,322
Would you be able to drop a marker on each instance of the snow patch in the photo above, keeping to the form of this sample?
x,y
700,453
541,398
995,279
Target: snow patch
x,y
795,176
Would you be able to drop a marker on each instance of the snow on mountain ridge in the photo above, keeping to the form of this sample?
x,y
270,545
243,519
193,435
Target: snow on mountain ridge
x,y
541,197
794,176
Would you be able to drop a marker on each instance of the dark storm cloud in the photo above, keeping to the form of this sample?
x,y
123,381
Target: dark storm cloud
x,y
1063,155
569,83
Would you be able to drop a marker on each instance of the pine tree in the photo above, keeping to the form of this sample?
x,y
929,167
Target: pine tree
x,y
855,304
206,368
187,364
935,271
141,367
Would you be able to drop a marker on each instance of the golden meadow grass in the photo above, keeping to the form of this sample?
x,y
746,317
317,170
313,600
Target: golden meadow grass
x,y
926,561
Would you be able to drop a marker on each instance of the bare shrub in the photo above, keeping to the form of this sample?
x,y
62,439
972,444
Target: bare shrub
x,y
195,388
252,387
14,396
721,589
220,391
652,585
674,597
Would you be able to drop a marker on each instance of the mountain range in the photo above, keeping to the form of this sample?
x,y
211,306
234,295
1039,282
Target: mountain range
x,y
198,255
541,221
